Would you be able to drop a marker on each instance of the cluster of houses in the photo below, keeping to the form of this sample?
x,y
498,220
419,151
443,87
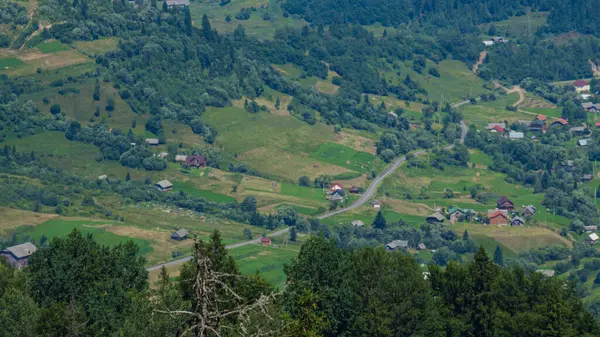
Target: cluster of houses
x,y
539,124
402,244
336,192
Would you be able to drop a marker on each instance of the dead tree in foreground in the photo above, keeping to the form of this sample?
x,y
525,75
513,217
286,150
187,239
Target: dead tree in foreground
x,y
218,310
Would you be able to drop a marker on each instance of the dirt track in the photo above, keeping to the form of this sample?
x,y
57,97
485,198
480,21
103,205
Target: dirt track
x,y
479,62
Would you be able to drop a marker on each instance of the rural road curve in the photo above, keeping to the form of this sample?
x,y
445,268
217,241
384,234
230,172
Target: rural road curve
x,y
366,196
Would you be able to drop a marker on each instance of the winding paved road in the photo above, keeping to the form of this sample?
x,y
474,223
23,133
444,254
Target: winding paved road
x,y
366,196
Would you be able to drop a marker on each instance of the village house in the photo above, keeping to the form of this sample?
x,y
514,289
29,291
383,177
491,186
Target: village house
x,y
421,246
592,239
578,130
164,185
538,125
590,107
459,214
336,195
529,211
587,177
496,127
590,229
177,3
505,203
488,43
436,217
513,135
546,272
582,143
376,204
559,122
569,165
498,217
163,155
517,221
18,256
336,187
180,235
103,177
265,241
499,39
581,86
354,190
392,114
195,161
180,158
358,223
152,141
397,244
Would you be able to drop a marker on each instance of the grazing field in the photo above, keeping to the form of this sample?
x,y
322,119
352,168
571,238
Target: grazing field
x,y
343,156
273,144
28,61
518,26
51,47
63,226
262,23
189,189
303,192
483,113
267,261
96,47
550,112
10,63
13,218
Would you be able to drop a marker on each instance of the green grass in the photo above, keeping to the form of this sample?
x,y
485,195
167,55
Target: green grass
x,y
550,112
62,227
97,47
6,63
483,113
300,209
343,156
518,26
189,189
267,261
51,47
303,192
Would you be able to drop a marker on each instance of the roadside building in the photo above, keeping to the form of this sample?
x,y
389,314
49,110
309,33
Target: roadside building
x,y
180,158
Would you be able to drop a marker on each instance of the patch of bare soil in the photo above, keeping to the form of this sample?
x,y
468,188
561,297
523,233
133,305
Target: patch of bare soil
x,y
479,62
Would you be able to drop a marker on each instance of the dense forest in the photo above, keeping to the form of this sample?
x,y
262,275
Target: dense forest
x,y
330,292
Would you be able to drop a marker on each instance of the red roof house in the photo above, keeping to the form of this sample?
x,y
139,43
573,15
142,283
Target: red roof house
x,y
560,121
580,83
336,186
195,161
541,117
497,128
265,241
498,217
598,125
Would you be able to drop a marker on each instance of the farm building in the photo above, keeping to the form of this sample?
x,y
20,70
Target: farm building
x,y
513,135
421,246
336,187
265,241
397,244
181,234
152,141
358,223
195,161
499,39
505,203
103,177
537,125
498,217
336,195
459,214
18,256
578,130
590,229
177,3
546,272
376,204
180,158
163,155
488,43
353,189
496,127
587,177
517,221
435,218
581,86
529,211
592,238
582,143
164,185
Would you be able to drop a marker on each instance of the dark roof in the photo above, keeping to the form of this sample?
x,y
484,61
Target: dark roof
x,y
195,161
437,216
164,184
177,2
181,233
504,200
397,243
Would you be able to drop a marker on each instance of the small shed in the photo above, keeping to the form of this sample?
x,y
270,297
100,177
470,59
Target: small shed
x,y
180,158
529,211
582,143
180,235
358,223
578,130
421,246
195,161
505,203
560,122
177,3
376,204
18,256
265,241
546,272
516,135
397,244
588,177
435,218
353,189
163,155
164,185
593,238
517,221
590,229
152,141
103,177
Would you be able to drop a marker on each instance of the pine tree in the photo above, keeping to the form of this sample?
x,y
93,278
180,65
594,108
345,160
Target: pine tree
x,y
498,256
277,103
128,176
97,91
293,234
379,221
465,235
188,21
164,275
206,28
